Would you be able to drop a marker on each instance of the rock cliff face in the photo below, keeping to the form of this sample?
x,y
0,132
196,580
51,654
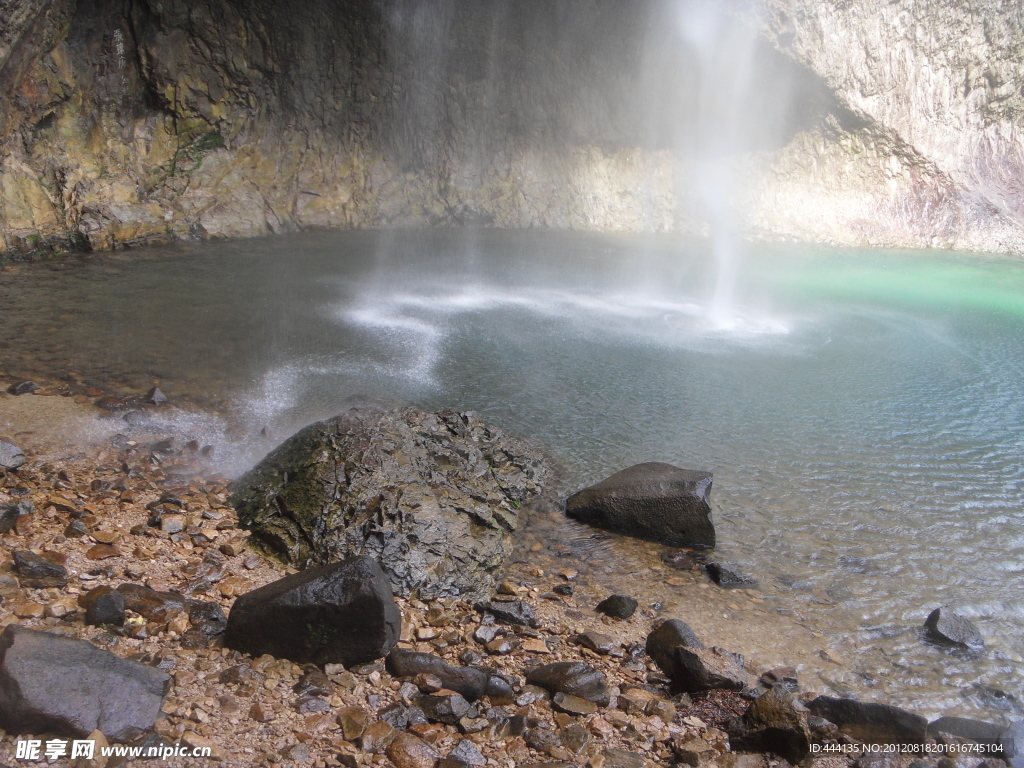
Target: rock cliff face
x,y
131,121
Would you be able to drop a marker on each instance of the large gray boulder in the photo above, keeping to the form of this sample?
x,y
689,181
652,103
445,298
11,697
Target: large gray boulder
x,y
342,613
433,497
653,501
55,684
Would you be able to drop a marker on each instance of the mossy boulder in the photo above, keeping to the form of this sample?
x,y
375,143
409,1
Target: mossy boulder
x,y
433,497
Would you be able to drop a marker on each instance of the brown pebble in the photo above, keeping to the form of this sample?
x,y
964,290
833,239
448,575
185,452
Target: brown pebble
x,y
261,713
106,537
409,751
428,683
29,610
376,737
353,721
102,551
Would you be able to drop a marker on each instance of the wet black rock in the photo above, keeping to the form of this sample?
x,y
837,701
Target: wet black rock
x,y
340,613
510,612
207,618
11,456
22,388
38,572
103,605
775,722
729,576
871,723
664,642
470,683
433,497
653,501
943,625
54,684
572,677
977,731
618,606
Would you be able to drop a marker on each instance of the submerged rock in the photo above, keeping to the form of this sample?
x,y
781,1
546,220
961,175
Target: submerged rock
x,y
50,683
652,501
341,613
11,456
946,626
729,576
431,496
871,723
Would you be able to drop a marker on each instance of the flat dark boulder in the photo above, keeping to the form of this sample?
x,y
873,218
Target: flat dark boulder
x,y
653,501
432,497
871,723
343,613
55,684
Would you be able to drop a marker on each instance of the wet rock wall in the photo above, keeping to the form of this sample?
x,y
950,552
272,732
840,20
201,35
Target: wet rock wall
x,y
132,121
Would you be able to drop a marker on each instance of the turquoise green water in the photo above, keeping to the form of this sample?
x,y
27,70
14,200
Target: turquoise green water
x,y
863,411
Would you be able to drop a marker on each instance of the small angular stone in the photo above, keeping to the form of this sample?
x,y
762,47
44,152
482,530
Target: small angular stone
x,y
353,721
447,709
729,576
102,552
467,753
11,456
618,606
573,705
597,642
376,737
510,612
572,677
22,388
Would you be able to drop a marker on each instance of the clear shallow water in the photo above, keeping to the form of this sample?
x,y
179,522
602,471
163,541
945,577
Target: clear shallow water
x,y
863,411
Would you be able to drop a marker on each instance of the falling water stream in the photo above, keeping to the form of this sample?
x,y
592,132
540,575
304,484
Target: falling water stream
x,y
862,413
